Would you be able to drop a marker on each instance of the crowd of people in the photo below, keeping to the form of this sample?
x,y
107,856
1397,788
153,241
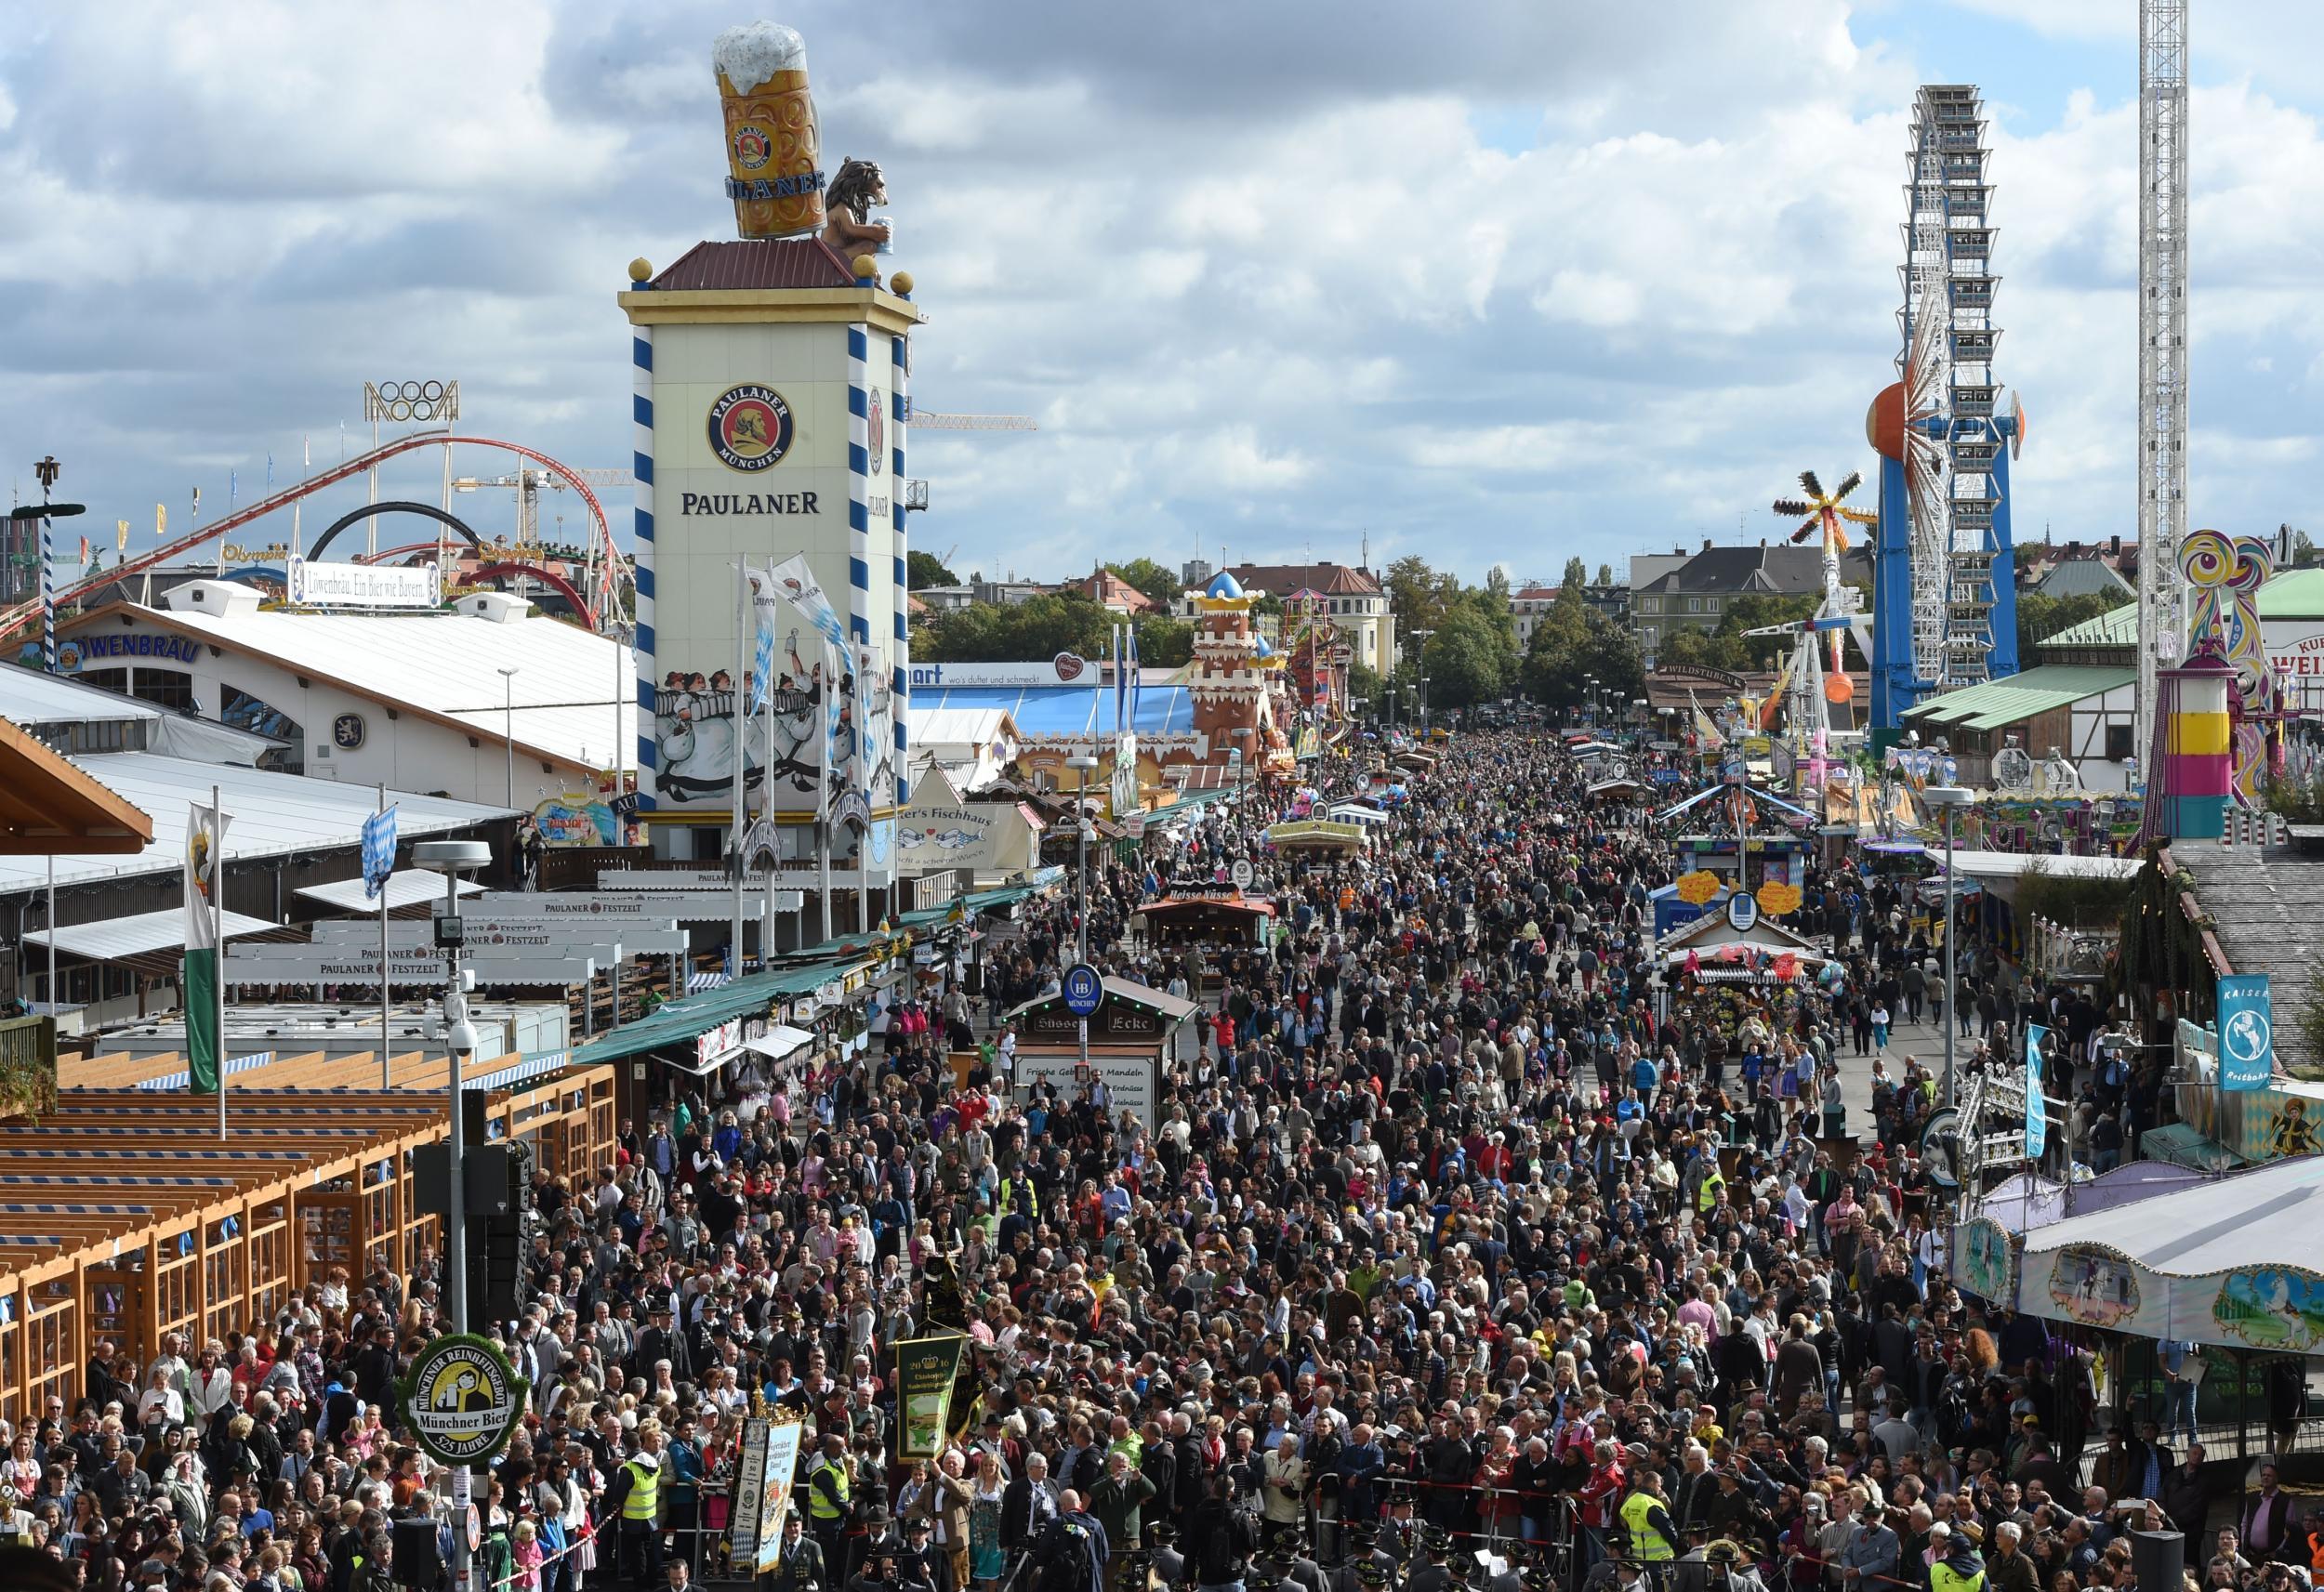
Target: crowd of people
x,y
1454,1232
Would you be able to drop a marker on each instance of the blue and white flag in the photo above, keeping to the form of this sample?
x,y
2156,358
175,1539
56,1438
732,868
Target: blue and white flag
x,y
234,488
2037,1109
378,852
763,654
797,584
270,472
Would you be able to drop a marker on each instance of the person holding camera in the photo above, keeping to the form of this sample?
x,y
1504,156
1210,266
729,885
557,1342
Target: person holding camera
x,y
1225,1536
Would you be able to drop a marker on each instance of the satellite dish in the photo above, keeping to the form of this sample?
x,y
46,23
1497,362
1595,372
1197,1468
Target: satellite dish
x,y
2013,769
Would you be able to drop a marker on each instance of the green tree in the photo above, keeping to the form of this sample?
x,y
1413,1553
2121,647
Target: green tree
x,y
1418,595
2040,617
1160,584
1606,575
1469,659
1165,641
1572,644
1577,575
925,570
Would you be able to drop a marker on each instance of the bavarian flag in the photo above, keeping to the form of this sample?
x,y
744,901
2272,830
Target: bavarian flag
x,y
206,837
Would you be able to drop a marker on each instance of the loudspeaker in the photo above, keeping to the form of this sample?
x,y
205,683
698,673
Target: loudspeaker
x,y
2160,1559
418,1561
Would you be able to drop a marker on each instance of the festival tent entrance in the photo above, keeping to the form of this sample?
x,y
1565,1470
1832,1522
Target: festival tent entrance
x,y
1130,1033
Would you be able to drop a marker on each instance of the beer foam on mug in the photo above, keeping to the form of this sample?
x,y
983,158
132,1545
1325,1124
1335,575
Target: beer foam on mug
x,y
753,53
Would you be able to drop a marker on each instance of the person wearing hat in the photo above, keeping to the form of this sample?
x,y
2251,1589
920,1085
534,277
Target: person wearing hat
x,y
1168,1564
920,1565
1432,1573
1363,1550
799,1562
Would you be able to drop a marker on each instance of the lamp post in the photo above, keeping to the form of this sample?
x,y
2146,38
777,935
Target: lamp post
x,y
1420,672
452,857
1081,763
508,731
1947,799
1242,733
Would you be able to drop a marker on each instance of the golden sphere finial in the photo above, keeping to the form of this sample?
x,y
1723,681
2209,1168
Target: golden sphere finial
x,y
641,270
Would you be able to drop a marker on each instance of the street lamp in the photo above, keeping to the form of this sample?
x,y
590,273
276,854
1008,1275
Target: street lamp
x,y
1420,671
452,857
1949,799
508,731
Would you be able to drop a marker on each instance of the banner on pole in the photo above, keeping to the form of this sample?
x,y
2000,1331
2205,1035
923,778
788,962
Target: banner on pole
x,y
205,831
2247,1032
926,1368
378,851
2037,1108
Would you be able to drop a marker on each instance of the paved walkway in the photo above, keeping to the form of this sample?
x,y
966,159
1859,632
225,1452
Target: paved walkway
x,y
1923,1041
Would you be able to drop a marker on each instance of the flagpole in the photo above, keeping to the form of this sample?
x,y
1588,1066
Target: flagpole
x,y
738,719
823,782
863,725
387,1075
766,803
218,940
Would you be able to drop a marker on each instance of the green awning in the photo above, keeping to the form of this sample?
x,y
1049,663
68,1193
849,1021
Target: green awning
x,y
680,1022
2020,696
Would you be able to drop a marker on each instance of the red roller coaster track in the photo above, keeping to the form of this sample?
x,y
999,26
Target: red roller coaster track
x,y
15,619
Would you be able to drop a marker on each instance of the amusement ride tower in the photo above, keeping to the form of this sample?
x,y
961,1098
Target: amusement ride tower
x,y
1945,592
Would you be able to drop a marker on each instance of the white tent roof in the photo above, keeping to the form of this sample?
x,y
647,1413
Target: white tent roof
x,y
405,887
117,939
268,815
568,686
2261,1219
2012,865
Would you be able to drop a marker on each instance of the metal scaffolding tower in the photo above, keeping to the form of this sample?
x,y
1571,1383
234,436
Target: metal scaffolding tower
x,y
2162,179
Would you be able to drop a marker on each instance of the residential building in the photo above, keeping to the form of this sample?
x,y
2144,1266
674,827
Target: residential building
x,y
1110,591
1349,595
1527,605
1694,594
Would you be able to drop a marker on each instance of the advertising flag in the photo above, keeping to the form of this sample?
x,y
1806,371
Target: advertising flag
x,y
2037,1110
796,584
160,520
121,535
2247,1032
206,837
763,654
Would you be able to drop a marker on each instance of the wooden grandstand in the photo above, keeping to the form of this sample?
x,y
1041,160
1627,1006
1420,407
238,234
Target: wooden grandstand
x,y
123,1217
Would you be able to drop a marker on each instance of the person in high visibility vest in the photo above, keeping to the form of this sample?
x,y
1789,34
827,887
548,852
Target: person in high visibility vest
x,y
831,1491
1960,1569
1706,1192
641,1506
1646,1520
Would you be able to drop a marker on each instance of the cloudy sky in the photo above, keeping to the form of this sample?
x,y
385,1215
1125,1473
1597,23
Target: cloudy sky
x,y
1565,279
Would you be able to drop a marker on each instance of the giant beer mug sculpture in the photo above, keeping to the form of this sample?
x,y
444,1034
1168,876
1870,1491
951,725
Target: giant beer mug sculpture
x,y
774,148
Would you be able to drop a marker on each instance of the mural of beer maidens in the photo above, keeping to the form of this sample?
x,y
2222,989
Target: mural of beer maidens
x,y
768,376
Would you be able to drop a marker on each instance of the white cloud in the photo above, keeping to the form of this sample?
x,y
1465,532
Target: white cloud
x,y
1258,279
